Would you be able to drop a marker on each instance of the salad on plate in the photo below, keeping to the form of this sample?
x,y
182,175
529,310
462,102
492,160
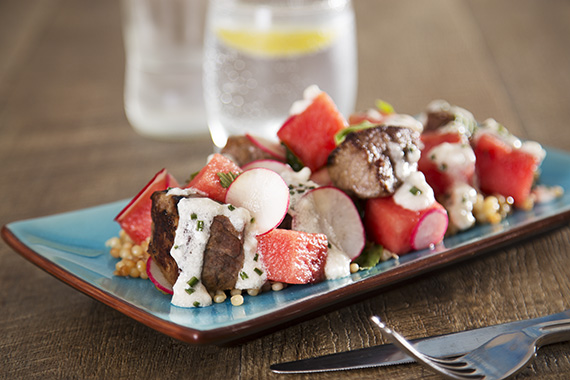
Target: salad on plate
x,y
328,197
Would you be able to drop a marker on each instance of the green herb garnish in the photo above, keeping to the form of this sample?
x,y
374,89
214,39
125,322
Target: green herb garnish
x,y
258,271
293,160
370,256
243,275
256,257
193,281
200,225
231,207
341,135
193,216
385,108
196,304
415,191
226,179
190,290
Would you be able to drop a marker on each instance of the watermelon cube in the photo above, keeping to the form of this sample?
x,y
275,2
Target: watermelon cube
x,y
401,230
440,177
209,181
293,257
503,169
310,134
135,219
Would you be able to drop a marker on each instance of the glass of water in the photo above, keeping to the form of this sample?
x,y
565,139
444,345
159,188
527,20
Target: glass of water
x,y
163,73
260,55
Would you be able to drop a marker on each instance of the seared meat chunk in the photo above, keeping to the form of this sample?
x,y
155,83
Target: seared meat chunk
x,y
438,118
223,256
374,162
440,114
164,215
242,151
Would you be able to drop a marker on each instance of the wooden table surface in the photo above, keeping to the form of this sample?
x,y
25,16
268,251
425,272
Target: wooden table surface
x,y
65,144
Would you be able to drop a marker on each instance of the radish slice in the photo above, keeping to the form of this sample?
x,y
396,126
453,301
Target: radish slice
x,y
322,177
330,211
277,166
273,148
430,229
155,275
264,193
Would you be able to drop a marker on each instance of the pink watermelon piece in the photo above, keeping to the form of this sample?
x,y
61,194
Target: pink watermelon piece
x,y
293,257
135,219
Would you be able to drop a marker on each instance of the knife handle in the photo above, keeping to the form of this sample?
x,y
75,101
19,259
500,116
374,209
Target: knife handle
x,y
554,328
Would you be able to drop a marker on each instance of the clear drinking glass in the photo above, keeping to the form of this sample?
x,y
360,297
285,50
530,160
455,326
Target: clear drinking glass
x,y
163,75
260,55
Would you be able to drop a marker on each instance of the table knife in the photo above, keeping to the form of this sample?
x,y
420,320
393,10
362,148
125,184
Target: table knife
x,y
453,344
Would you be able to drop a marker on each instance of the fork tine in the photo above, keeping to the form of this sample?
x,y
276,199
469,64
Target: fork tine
x,y
445,369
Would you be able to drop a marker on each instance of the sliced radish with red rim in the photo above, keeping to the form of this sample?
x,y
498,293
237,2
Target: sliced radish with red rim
x,y
264,193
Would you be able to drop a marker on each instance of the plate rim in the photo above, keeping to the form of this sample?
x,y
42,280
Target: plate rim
x,y
297,311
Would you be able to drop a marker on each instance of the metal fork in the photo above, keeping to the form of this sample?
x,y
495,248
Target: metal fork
x,y
499,358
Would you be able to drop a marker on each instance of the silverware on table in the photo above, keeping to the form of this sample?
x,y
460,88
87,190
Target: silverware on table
x,y
499,358
448,345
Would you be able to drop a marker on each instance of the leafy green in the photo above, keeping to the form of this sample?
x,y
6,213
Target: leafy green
x,y
370,256
385,108
293,160
341,135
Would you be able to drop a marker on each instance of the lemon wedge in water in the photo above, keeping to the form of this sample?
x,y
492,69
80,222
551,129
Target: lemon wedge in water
x,y
276,43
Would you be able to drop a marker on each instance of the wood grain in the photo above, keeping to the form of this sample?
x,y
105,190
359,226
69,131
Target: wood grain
x,y
65,144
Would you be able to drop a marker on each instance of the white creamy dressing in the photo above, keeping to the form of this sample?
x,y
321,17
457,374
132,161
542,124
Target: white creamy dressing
x,y
309,95
299,183
414,194
403,120
453,158
192,234
404,165
496,129
337,265
460,206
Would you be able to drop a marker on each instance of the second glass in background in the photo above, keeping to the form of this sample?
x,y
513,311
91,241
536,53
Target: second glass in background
x,y
259,56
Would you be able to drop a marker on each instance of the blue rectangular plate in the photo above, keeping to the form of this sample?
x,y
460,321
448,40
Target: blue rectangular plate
x,y
71,247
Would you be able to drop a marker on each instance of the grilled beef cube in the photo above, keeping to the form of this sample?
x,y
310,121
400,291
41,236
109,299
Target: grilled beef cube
x,y
373,162
243,151
223,256
438,118
164,215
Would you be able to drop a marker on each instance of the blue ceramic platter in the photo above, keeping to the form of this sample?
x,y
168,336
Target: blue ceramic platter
x,y
71,246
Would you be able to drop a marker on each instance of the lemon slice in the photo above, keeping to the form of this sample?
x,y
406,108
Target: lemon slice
x,y
276,43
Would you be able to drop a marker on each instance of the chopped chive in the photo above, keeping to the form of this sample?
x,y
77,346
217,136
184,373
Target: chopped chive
x,y
432,157
193,216
243,275
443,166
256,257
414,190
176,247
258,271
193,281
252,220
200,225
231,207
190,290
196,304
